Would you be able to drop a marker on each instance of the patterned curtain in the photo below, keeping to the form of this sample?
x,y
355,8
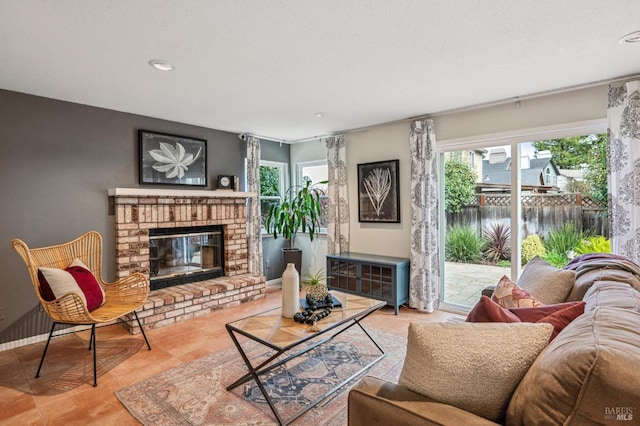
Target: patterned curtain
x,y
624,169
424,284
338,227
254,232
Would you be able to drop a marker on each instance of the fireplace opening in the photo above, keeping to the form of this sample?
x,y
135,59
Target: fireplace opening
x,y
185,255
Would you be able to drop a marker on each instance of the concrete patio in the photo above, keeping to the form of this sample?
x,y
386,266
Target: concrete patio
x,y
465,281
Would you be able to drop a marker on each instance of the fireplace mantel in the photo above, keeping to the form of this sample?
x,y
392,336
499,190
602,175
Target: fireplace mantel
x,y
156,192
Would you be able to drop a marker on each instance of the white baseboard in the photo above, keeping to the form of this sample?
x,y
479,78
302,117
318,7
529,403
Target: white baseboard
x,y
43,337
275,282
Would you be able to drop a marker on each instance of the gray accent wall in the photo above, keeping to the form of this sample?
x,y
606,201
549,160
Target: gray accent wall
x,y
57,161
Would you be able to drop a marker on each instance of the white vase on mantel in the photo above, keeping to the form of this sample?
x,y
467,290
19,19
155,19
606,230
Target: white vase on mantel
x,y
290,291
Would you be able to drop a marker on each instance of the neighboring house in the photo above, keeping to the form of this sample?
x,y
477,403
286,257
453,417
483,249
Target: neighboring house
x,y
570,179
538,174
471,157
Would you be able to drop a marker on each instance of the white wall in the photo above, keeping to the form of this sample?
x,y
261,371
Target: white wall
x,y
568,107
382,143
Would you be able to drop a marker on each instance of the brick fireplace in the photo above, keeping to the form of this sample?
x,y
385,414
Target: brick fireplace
x,y
138,210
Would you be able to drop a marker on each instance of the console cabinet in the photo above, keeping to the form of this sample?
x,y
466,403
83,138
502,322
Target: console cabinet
x,y
379,277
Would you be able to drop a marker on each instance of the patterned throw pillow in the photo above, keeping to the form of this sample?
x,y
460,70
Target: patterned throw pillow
x,y
472,366
76,278
509,295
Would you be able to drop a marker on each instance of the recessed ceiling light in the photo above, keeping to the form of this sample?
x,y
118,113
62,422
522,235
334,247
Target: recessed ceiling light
x,y
320,115
633,37
161,65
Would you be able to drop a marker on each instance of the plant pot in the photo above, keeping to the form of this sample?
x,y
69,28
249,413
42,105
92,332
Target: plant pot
x,y
292,255
317,293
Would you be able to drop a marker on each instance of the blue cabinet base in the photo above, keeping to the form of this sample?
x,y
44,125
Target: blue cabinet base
x,y
379,277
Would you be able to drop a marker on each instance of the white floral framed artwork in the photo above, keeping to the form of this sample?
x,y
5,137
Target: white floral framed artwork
x,y
378,195
172,160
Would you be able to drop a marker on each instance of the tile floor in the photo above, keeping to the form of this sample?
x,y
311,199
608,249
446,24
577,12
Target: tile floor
x,y
64,395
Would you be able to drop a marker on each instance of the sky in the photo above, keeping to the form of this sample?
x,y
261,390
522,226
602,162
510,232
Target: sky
x,y
526,148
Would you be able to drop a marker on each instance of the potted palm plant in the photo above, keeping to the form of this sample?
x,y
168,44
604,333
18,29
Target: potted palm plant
x,y
299,211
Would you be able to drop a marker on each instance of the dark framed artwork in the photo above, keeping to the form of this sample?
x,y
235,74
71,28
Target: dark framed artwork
x,y
172,160
378,194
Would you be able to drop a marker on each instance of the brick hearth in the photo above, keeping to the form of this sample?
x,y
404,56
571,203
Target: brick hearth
x,y
138,210
178,303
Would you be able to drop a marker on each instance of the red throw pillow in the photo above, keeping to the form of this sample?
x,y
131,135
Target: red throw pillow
x,y
558,315
89,286
76,278
486,310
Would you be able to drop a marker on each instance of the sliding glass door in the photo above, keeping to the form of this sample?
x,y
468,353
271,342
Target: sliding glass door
x,y
477,215
499,213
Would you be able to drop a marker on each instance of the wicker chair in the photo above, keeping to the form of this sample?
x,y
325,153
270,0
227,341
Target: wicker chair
x,y
122,297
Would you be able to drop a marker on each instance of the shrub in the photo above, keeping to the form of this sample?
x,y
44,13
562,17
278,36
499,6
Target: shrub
x,y
597,244
563,239
498,247
460,184
560,242
531,247
463,244
559,260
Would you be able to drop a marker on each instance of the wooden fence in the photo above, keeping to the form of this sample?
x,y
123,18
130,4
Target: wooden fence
x,y
541,213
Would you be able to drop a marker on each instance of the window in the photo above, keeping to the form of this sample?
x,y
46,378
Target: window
x,y
316,171
273,184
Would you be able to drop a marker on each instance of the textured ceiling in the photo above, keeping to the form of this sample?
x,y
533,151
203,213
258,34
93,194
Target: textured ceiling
x,y
267,66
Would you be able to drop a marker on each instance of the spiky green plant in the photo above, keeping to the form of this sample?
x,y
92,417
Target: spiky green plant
x,y
498,242
463,244
563,239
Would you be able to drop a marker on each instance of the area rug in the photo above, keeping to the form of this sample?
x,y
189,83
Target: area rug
x,y
195,393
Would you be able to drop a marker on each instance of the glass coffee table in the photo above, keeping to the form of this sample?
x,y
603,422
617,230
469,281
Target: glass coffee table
x,y
289,339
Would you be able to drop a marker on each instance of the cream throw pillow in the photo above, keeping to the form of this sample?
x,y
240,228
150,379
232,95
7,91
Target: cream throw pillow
x,y
472,366
61,282
545,282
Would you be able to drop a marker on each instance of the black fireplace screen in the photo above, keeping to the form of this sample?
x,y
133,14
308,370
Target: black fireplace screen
x,y
183,255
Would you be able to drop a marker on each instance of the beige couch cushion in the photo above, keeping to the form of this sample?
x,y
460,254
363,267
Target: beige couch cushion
x,y
612,294
605,269
587,373
545,282
374,401
472,366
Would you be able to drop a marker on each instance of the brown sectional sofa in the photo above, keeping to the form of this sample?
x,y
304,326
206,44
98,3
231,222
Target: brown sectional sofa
x,y
589,374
